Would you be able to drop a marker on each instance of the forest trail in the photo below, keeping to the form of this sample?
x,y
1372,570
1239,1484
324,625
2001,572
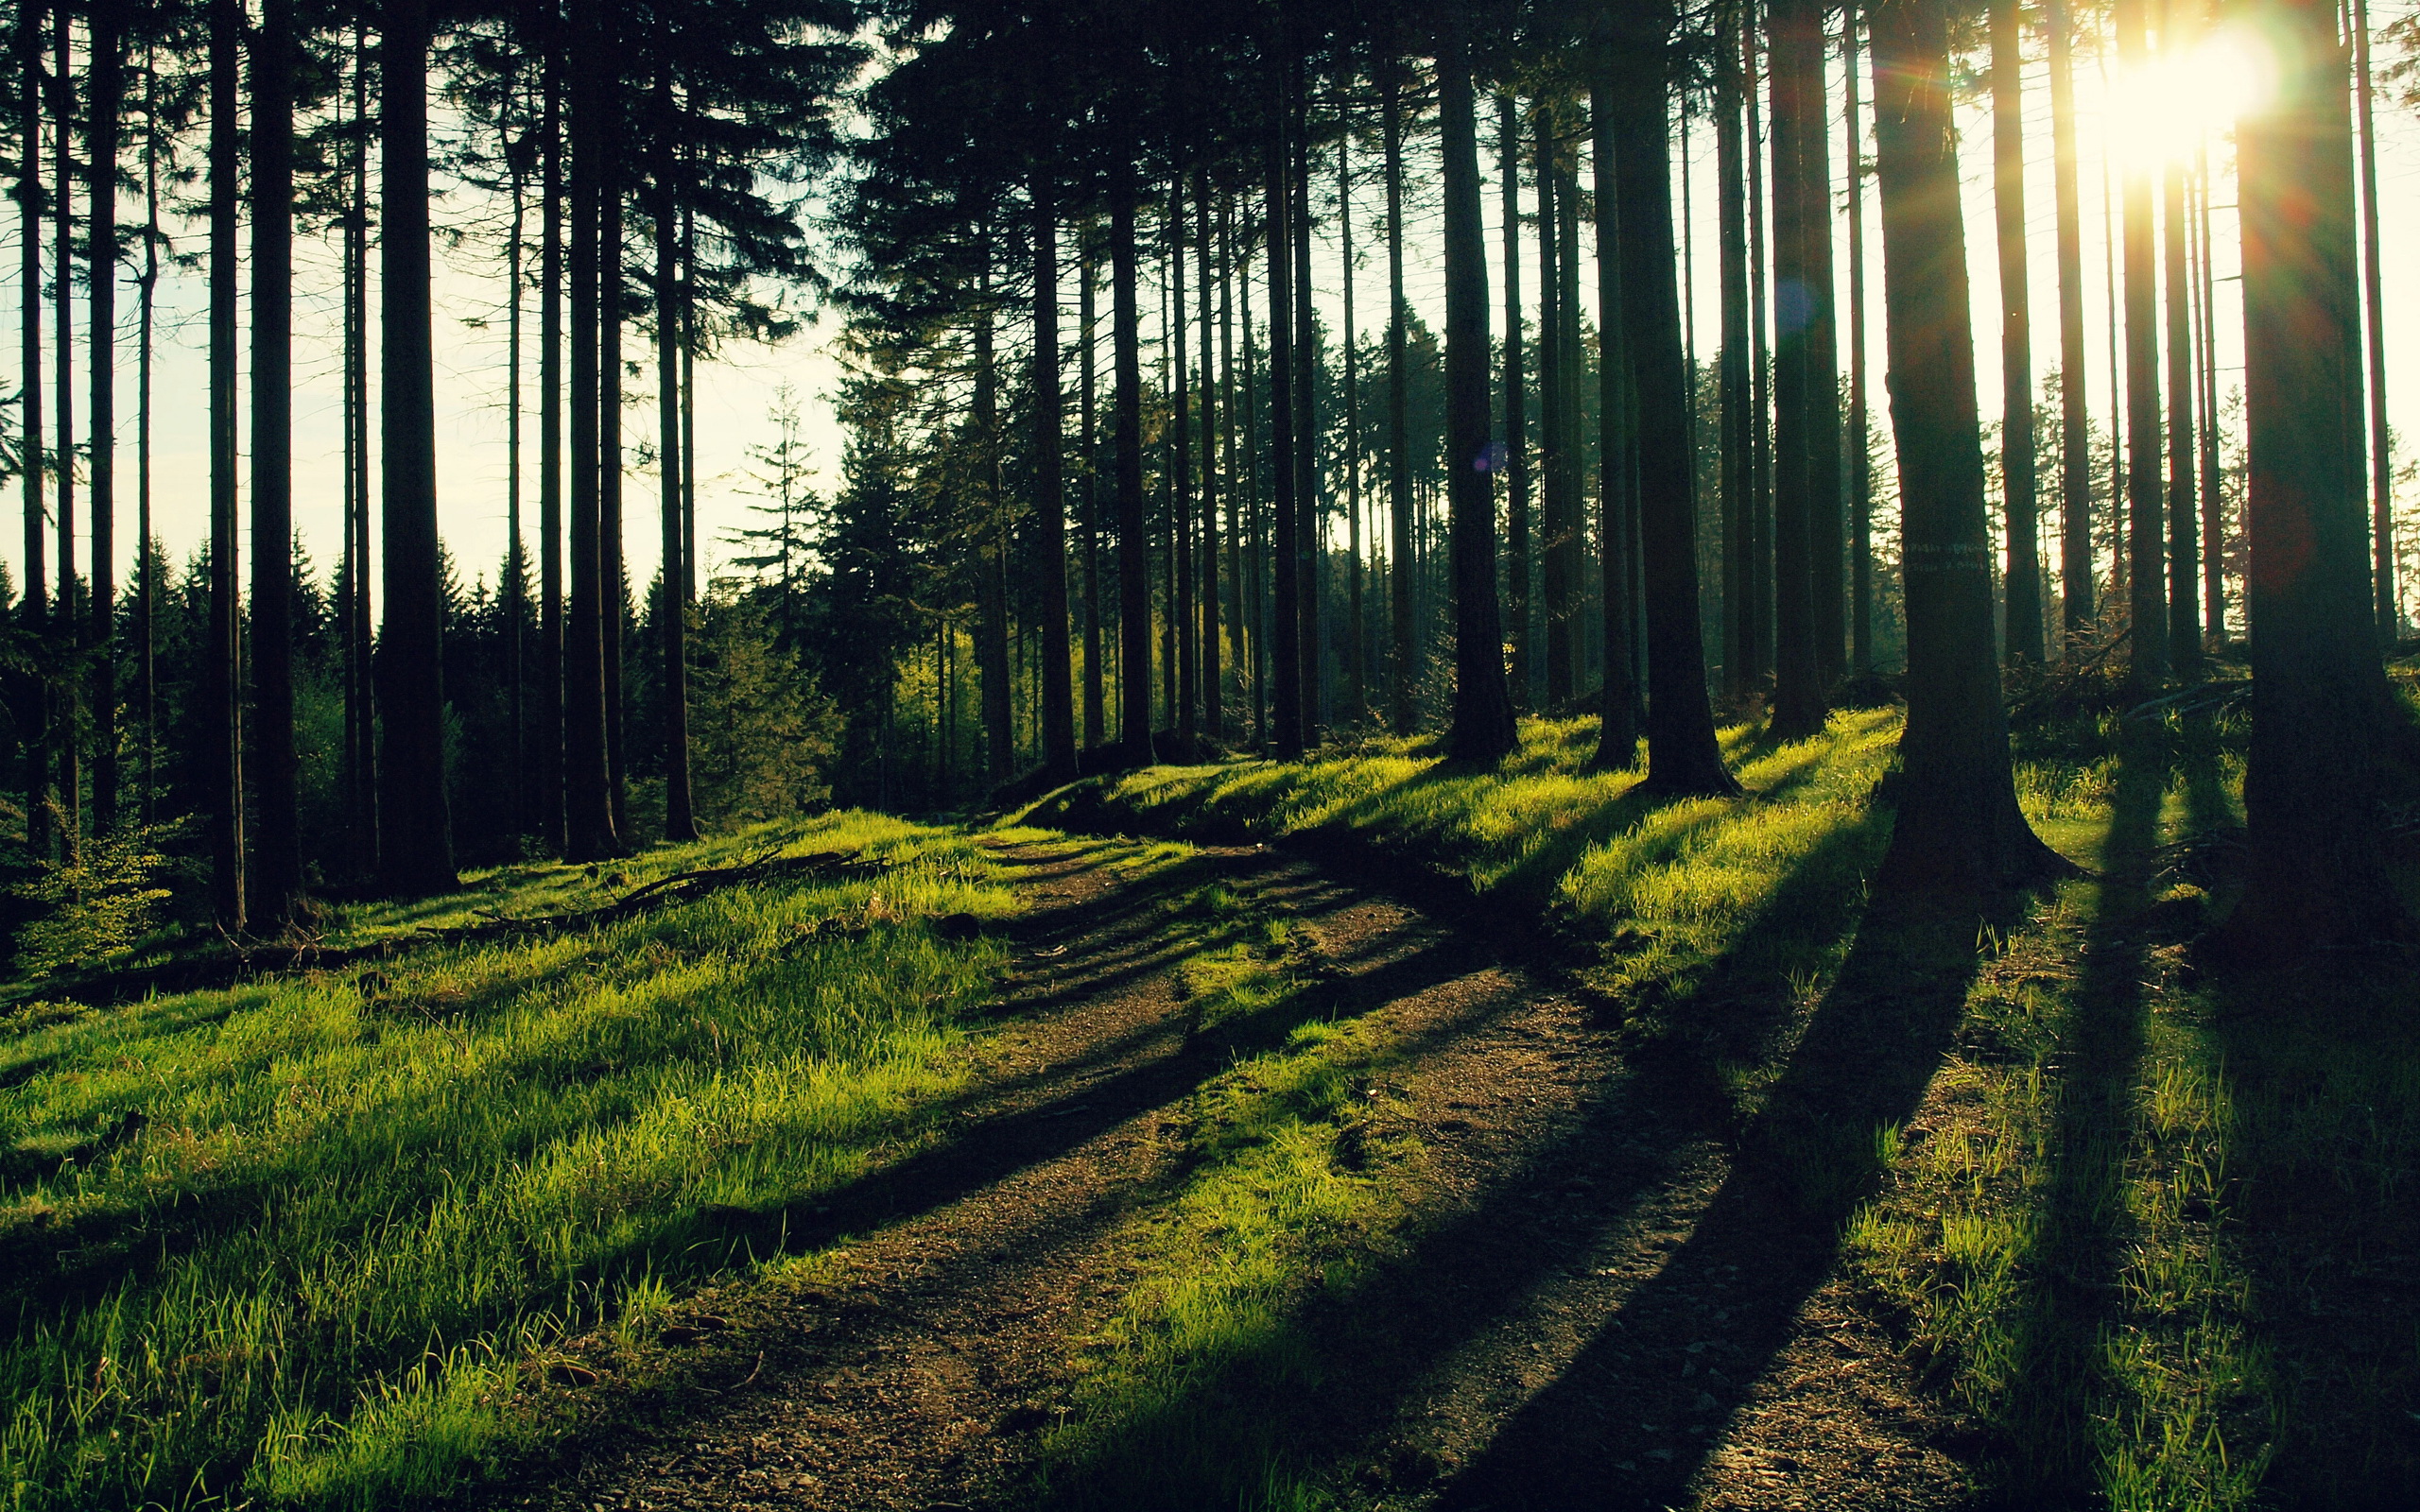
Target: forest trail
x,y
1573,1301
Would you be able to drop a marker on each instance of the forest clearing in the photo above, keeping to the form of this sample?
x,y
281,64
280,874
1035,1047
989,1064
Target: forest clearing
x,y
1026,1164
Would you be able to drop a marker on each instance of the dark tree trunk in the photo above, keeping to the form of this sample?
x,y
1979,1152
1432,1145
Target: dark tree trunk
x,y
1095,707
1133,545
2214,583
1400,565
588,813
1212,712
2076,586
361,723
2382,581
1760,368
1305,540
1826,531
223,760
671,607
1286,643
2146,667
1554,446
2016,338
1958,828
147,589
1617,461
276,875
68,624
1180,609
1049,491
2183,527
992,548
1741,630
1683,754
1516,402
1484,728
416,850
1796,38
1860,469
548,738
2323,711
611,564
34,606
106,90
1356,689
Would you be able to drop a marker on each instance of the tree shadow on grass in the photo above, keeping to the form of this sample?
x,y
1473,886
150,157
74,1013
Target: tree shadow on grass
x,y
2058,1382
1352,1378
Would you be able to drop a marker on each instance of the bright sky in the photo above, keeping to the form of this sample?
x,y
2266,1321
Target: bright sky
x,y
736,391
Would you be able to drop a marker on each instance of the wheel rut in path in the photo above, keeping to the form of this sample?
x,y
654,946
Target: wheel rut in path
x,y
1557,1322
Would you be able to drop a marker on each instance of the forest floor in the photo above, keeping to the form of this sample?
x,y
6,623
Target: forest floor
x,y
1536,1279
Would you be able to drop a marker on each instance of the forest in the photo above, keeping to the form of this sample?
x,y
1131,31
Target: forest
x,y
1283,754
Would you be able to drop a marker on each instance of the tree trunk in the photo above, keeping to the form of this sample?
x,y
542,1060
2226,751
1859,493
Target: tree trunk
x,y
1795,38
2146,667
360,696
1213,714
1133,545
2076,585
2017,490
2214,583
34,605
1826,532
1958,828
1286,643
416,851
588,813
146,589
223,762
1356,690
517,583
1095,707
1516,420
68,626
671,605
1617,460
1575,368
1179,392
107,88
549,734
2322,710
2390,614
1484,728
611,563
2183,529
1860,467
1400,565
1683,754
1741,632
992,548
1553,447
1305,540
1761,453
1050,490
276,875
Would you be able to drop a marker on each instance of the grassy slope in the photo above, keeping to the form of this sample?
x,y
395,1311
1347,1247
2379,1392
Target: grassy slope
x,y
2099,1202
298,1240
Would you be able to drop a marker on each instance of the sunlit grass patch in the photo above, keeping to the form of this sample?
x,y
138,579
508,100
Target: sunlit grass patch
x,y
304,1241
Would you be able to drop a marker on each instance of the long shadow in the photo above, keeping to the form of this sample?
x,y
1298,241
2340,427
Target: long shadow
x,y
1318,1399
2058,1382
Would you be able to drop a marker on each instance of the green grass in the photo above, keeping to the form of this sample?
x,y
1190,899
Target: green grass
x,y
2126,1192
302,1242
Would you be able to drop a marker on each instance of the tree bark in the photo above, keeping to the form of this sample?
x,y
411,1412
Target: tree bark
x,y
1050,490
1795,36
2017,483
1617,460
33,606
68,626
588,813
1683,757
1516,420
991,544
672,605
549,734
2322,711
360,694
2390,614
1133,545
276,873
146,588
611,563
1213,712
1181,605
1860,467
416,850
1741,630
1357,690
1958,829
223,762
1826,534
1286,640
2076,586
1307,514
2183,529
105,23
1553,446
1096,706
1400,564
1484,728
2146,667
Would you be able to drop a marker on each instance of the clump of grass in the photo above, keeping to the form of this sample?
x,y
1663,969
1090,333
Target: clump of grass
x,y
304,1240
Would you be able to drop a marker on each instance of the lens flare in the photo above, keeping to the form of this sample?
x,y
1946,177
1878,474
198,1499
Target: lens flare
x,y
2163,111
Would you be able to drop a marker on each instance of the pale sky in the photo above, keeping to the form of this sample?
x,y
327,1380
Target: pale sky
x,y
736,391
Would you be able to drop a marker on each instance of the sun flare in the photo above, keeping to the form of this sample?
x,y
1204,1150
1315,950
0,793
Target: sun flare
x,y
2168,108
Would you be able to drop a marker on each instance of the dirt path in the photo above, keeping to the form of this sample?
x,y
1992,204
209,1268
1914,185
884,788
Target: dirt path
x,y
1587,1308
